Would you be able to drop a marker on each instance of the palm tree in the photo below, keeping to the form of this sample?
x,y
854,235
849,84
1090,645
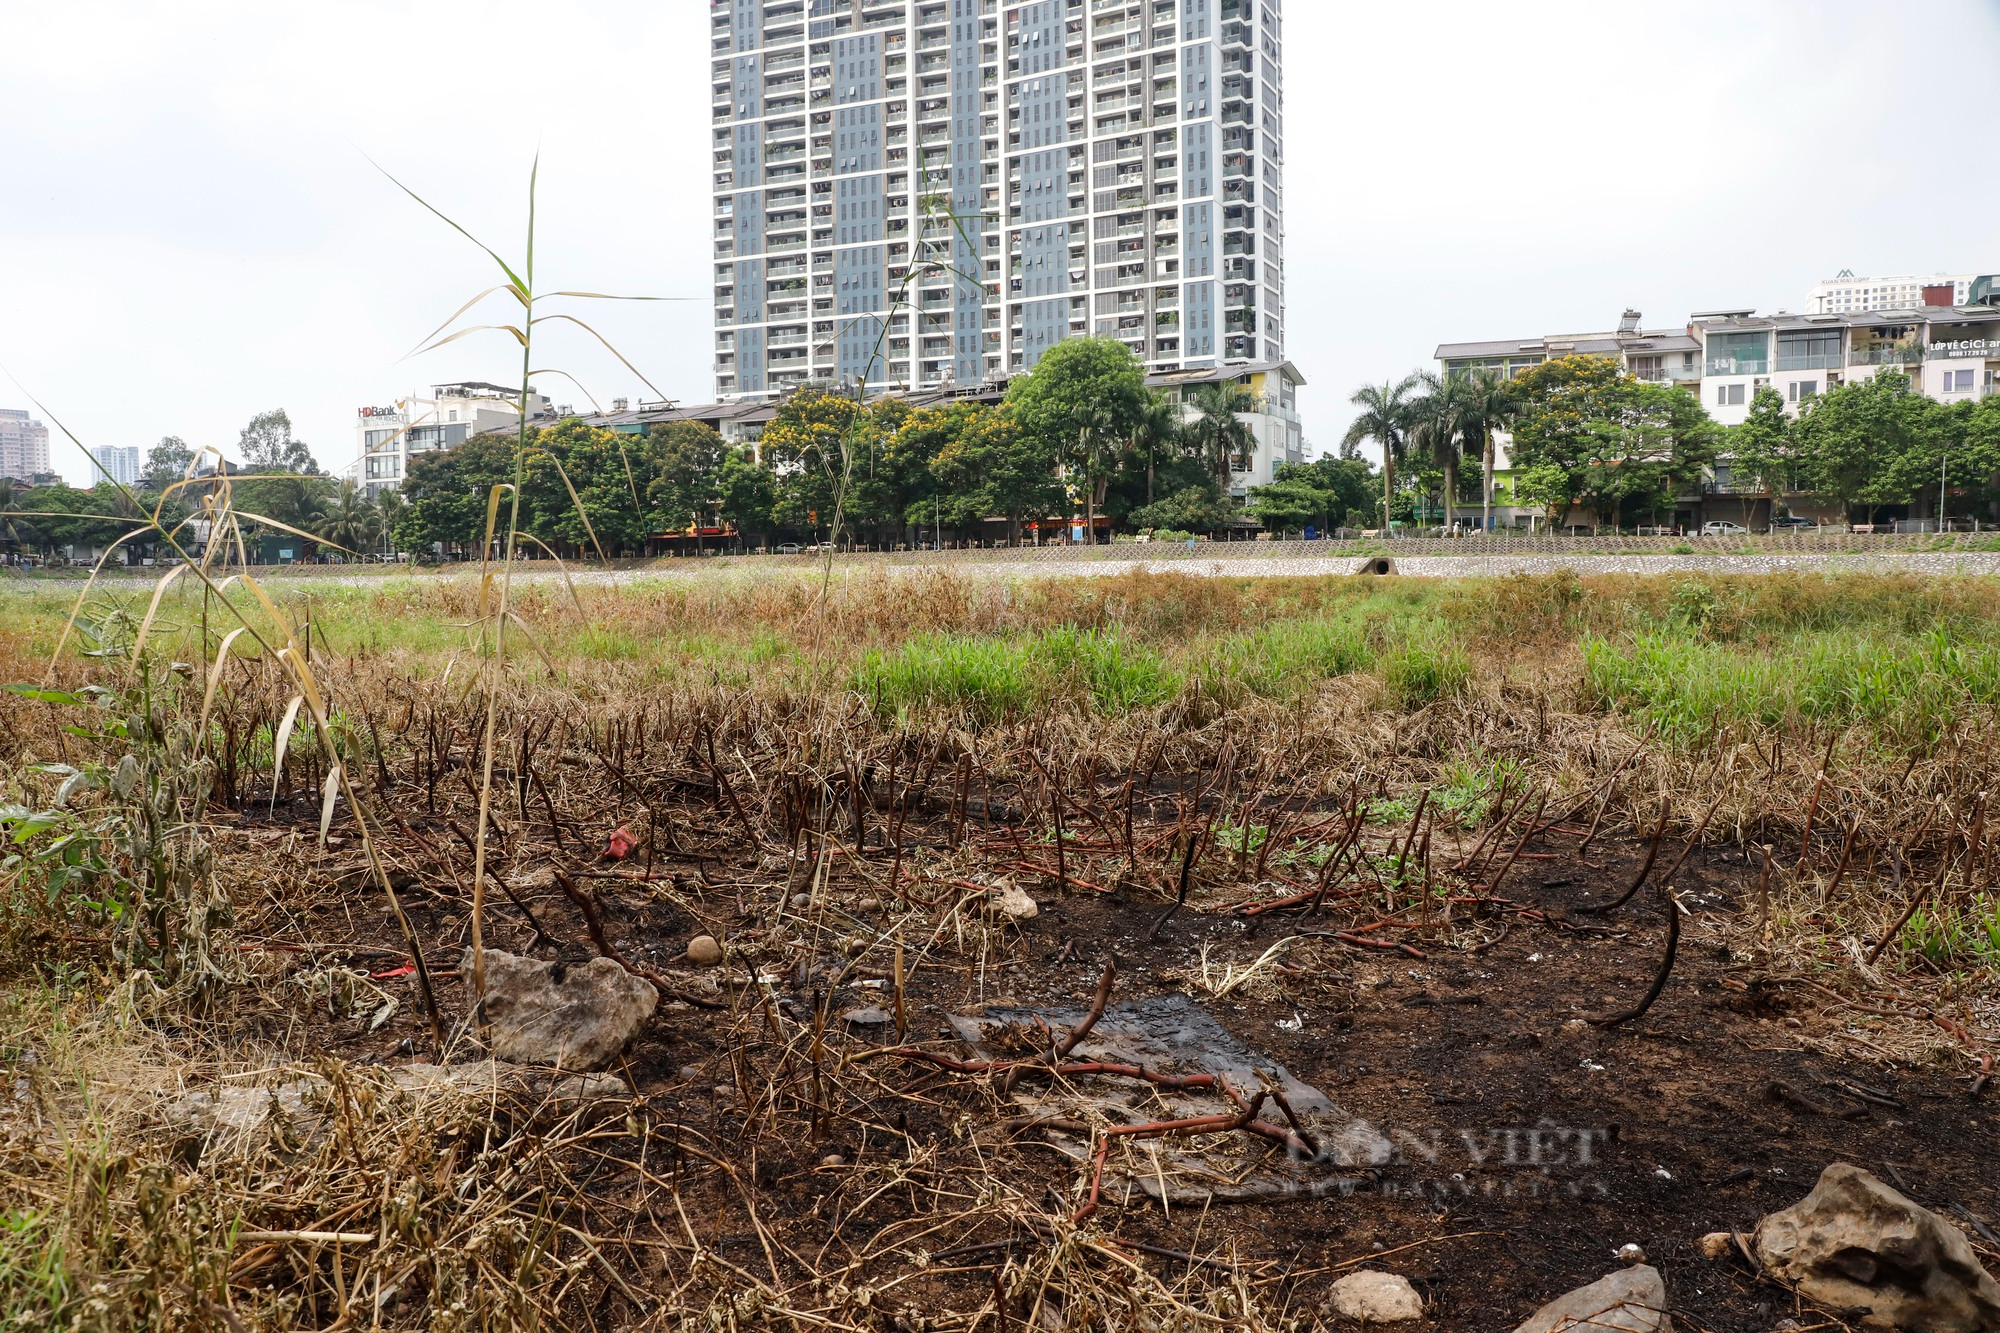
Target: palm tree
x,y
1447,421
390,506
13,530
1158,428
351,520
1218,432
1091,466
1385,418
1491,400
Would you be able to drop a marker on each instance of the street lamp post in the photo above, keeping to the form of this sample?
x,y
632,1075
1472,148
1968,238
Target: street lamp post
x,y
1944,456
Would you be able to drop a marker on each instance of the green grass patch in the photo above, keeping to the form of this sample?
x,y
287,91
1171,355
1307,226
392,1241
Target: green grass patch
x,y
1423,670
1910,690
1115,674
1286,658
984,677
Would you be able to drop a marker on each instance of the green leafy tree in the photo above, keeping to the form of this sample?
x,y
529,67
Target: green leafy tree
x,y
166,463
683,462
1322,493
266,445
1293,504
445,493
1083,399
1868,443
745,490
903,487
1191,509
69,517
1587,433
300,503
1980,437
1761,448
1942,451
1385,419
991,468
582,488
811,445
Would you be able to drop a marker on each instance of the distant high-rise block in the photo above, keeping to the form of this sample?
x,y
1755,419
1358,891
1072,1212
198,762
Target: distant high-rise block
x,y
920,193
24,445
119,461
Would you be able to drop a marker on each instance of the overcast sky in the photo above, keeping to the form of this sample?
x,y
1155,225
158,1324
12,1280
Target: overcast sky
x,y
191,230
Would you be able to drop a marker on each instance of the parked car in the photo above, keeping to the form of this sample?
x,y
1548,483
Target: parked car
x,y
1722,527
1792,523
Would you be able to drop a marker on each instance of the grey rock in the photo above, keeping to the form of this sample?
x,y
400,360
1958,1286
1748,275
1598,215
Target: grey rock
x,y
1854,1243
1632,1300
1011,902
572,1017
486,1078
1373,1297
289,1110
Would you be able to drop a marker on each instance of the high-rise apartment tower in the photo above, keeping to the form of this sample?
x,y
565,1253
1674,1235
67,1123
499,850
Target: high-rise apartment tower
x,y
919,193
121,463
24,445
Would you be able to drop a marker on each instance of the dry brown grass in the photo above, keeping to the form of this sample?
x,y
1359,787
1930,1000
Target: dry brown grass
x,y
644,1216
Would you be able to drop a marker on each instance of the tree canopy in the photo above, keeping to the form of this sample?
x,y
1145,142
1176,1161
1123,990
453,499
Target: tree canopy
x,y
266,445
1083,400
1586,433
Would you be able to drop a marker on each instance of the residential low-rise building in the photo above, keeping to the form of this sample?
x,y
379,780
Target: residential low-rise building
x,y
388,436
1950,352
1659,356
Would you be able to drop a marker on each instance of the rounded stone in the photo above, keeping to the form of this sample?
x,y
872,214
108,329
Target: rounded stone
x,y
704,951
1377,1298
832,1160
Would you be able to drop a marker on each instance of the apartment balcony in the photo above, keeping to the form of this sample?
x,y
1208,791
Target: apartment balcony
x,y
1726,365
1811,361
1885,356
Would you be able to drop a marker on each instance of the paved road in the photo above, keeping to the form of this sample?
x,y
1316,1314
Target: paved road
x,y
1493,566
1246,566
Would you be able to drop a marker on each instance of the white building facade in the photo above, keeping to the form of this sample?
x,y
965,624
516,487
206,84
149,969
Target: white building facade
x,y
24,445
1847,294
120,462
918,194
387,437
1950,353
